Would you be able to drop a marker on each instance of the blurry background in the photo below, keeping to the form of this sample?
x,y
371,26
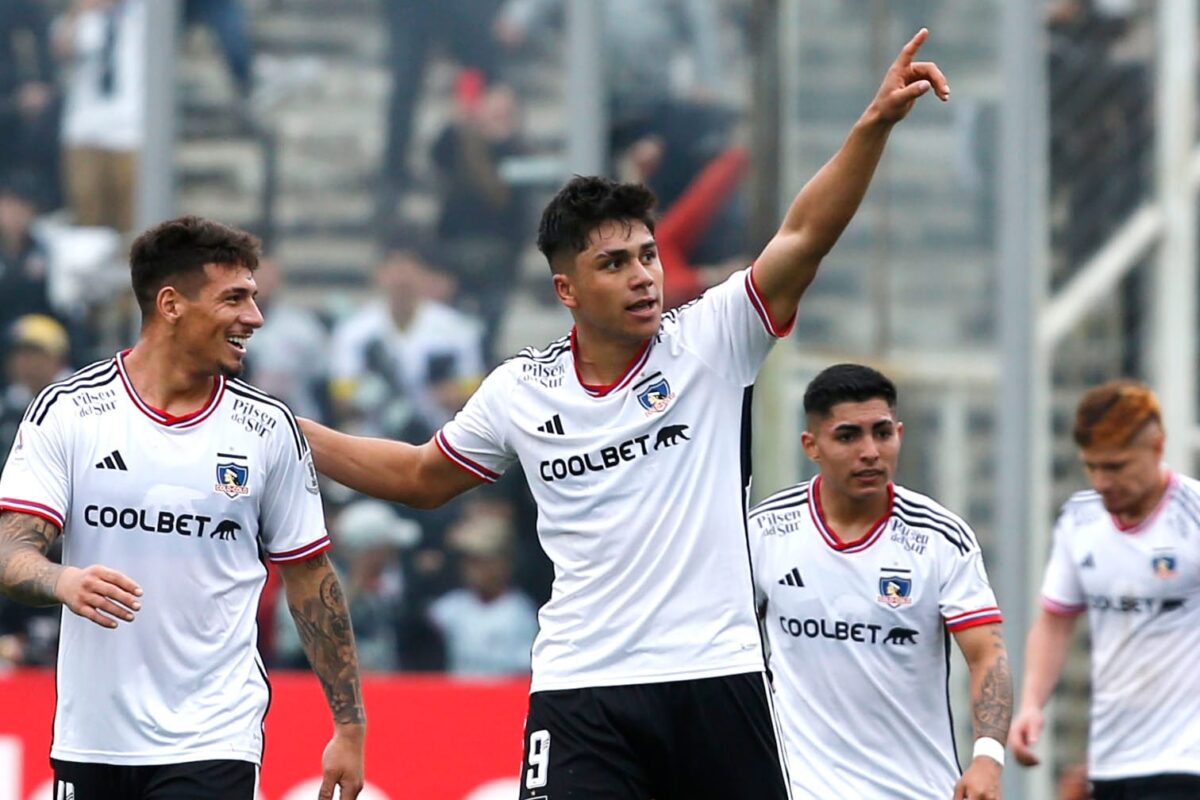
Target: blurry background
x,y
1031,237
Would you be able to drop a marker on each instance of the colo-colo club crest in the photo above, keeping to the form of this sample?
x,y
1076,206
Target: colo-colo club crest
x,y
232,479
655,397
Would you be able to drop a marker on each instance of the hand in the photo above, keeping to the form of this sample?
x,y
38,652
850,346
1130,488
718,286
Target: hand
x,y
907,80
98,593
981,781
1024,734
342,763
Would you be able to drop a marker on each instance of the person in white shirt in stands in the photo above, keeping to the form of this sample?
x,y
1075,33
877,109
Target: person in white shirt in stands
x,y
632,431
488,625
862,584
1126,553
102,46
406,362
169,481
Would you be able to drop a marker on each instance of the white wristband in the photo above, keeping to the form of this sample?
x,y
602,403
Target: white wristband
x,y
987,746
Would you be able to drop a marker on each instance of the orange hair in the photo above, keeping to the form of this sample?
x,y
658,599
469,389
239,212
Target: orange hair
x,y
1112,414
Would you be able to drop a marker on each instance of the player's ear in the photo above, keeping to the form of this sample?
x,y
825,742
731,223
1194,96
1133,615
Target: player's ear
x,y
899,430
169,302
809,442
565,290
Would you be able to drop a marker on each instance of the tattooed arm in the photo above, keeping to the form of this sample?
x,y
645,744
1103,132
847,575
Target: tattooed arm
x,y
96,593
991,705
314,597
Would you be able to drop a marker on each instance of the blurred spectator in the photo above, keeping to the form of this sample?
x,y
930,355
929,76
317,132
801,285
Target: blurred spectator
x,y
36,357
481,228
227,21
403,365
102,44
24,258
461,27
289,355
644,41
488,626
369,539
28,97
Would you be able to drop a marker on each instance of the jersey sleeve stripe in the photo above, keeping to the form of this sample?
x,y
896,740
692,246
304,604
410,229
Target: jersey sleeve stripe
x,y
953,523
476,469
760,305
985,609
87,373
301,553
38,411
793,499
247,391
1062,609
990,618
37,509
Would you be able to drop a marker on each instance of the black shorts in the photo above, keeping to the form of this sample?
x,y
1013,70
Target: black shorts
x,y
1149,787
708,739
197,780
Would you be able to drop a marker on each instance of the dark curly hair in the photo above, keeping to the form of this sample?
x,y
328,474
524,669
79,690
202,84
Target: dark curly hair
x,y
178,249
581,206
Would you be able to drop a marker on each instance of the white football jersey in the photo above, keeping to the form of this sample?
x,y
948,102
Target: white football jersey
x,y
859,639
641,494
1140,587
187,507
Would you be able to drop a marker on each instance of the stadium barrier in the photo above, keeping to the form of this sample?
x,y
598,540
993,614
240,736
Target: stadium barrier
x,y
428,736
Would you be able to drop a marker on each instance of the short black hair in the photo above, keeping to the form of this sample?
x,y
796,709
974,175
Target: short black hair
x,y
179,248
581,206
847,383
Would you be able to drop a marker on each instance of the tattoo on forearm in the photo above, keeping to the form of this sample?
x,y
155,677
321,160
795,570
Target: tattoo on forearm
x,y
26,575
323,621
992,708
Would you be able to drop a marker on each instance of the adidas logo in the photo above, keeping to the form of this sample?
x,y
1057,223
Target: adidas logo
x,y
1088,562
113,461
792,578
552,425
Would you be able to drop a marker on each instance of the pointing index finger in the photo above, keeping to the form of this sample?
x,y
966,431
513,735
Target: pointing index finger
x,y
909,51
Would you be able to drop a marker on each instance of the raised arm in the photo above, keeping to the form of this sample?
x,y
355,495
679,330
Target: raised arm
x,y
1045,655
314,596
991,708
830,199
419,476
97,593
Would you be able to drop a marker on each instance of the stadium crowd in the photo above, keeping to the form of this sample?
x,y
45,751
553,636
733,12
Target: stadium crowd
x,y
454,589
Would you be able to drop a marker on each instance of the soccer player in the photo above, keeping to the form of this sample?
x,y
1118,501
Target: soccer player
x,y
648,671
862,583
1128,554
168,480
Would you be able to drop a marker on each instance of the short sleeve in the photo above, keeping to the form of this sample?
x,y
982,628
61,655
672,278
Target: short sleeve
x,y
730,328
967,599
1062,591
36,478
755,526
292,519
477,438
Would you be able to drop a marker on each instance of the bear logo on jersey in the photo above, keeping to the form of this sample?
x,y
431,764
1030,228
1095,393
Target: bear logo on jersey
x,y
232,478
1164,565
895,590
655,397
901,636
226,530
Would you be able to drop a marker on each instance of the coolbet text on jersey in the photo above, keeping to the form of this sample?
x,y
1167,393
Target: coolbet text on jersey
x,y
182,506
1140,587
641,491
860,641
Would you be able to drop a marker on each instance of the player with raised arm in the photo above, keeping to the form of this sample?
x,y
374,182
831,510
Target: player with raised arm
x,y
863,583
1126,553
168,479
648,670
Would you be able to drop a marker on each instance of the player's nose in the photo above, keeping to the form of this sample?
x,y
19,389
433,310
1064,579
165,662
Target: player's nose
x,y
252,316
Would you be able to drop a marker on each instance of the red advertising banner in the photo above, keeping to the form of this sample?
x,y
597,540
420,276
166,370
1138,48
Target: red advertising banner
x,y
428,737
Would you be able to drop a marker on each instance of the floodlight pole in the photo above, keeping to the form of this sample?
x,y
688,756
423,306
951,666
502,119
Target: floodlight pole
x,y
1023,462
156,195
